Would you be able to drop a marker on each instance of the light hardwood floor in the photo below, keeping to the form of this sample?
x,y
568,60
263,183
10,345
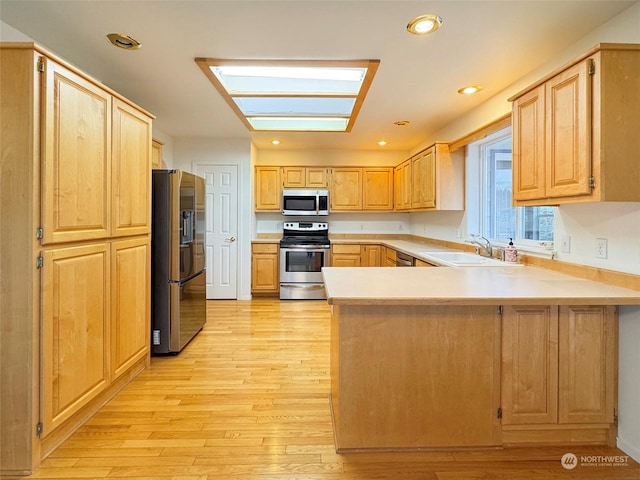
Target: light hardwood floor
x,y
248,400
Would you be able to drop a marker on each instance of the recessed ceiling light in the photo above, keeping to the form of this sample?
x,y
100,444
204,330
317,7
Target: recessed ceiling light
x,y
401,123
123,41
275,142
424,24
382,143
471,89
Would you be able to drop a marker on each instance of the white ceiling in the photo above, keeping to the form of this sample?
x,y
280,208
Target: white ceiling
x,y
492,43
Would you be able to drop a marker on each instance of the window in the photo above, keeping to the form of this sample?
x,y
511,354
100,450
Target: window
x,y
498,219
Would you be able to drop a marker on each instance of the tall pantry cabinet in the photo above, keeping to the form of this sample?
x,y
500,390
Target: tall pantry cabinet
x,y
74,250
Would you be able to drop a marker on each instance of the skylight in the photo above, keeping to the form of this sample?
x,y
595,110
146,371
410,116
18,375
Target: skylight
x,y
282,95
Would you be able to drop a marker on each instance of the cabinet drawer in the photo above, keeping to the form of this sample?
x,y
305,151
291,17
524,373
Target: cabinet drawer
x,y
264,248
346,249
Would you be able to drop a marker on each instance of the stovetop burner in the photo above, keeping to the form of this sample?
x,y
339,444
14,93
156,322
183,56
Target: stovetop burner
x,y
305,234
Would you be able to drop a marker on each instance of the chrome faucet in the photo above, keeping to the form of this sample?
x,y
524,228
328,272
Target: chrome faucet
x,y
484,243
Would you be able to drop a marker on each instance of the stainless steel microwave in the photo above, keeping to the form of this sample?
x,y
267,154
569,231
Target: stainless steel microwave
x,y
305,202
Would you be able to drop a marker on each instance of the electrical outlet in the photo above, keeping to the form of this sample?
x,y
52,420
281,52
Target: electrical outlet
x,y
565,245
601,248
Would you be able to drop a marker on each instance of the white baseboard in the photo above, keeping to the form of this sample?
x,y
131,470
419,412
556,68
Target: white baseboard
x,y
632,450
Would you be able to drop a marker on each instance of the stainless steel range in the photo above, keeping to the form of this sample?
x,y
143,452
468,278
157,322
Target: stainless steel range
x,y
304,250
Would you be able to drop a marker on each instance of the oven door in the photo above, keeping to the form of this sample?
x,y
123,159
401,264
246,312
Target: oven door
x,y
302,264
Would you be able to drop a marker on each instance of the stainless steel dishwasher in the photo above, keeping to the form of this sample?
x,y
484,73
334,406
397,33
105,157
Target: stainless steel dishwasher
x,y
404,260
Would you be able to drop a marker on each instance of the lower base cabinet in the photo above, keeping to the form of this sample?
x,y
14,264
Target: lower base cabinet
x,y
96,307
75,301
345,255
558,373
130,303
265,268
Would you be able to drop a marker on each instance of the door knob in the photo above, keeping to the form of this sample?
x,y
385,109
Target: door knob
x,y
231,239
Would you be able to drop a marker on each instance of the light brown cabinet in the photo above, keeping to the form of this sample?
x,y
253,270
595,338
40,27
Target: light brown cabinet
x,y
390,257
345,255
377,189
355,255
346,189
265,268
423,177
305,177
75,231
371,255
402,186
75,313
76,176
130,303
573,131
156,153
433,179
558,370
422,263
268,189
355,189
130,171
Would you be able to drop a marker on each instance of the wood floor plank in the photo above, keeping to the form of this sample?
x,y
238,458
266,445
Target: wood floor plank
x,y
248,399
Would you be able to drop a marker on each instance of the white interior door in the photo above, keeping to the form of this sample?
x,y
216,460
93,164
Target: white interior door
x,y
221,230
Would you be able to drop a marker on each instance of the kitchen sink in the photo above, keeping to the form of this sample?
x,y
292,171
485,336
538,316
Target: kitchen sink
x,y
464,259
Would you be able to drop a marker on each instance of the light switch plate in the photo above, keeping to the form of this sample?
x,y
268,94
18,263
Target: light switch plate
x,y
565,244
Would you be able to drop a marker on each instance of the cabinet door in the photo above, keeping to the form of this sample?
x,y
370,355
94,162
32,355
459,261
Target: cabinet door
x,y
346,255
130,303
391,257
268,189
529,365
406,185
568,132
131,173
528,146
75,303
346,189
156,153
316,177
76,158
265,268
371,255
422,263
377,189
293,177
587,364
423,178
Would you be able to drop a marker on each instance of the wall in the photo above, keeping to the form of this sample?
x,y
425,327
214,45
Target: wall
x,y
618,222
188,153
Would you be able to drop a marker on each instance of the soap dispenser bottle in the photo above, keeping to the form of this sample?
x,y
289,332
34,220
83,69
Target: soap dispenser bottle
x,y
510,253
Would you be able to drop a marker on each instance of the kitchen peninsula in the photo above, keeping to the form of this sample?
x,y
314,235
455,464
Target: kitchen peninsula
x,y
471,357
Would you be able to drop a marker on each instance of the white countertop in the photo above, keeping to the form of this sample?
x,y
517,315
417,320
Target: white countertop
x,y
468,286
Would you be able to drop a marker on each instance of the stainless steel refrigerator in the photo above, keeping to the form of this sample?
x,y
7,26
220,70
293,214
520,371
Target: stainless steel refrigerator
x,y
178,286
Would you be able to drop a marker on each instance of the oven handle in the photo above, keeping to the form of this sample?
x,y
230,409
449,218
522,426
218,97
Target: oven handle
x,y
312,250
310,286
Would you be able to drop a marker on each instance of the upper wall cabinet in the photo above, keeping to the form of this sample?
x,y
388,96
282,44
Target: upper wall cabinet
x,y
156,153
355,189
402,186
268,189
431,180
305,177
575,131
